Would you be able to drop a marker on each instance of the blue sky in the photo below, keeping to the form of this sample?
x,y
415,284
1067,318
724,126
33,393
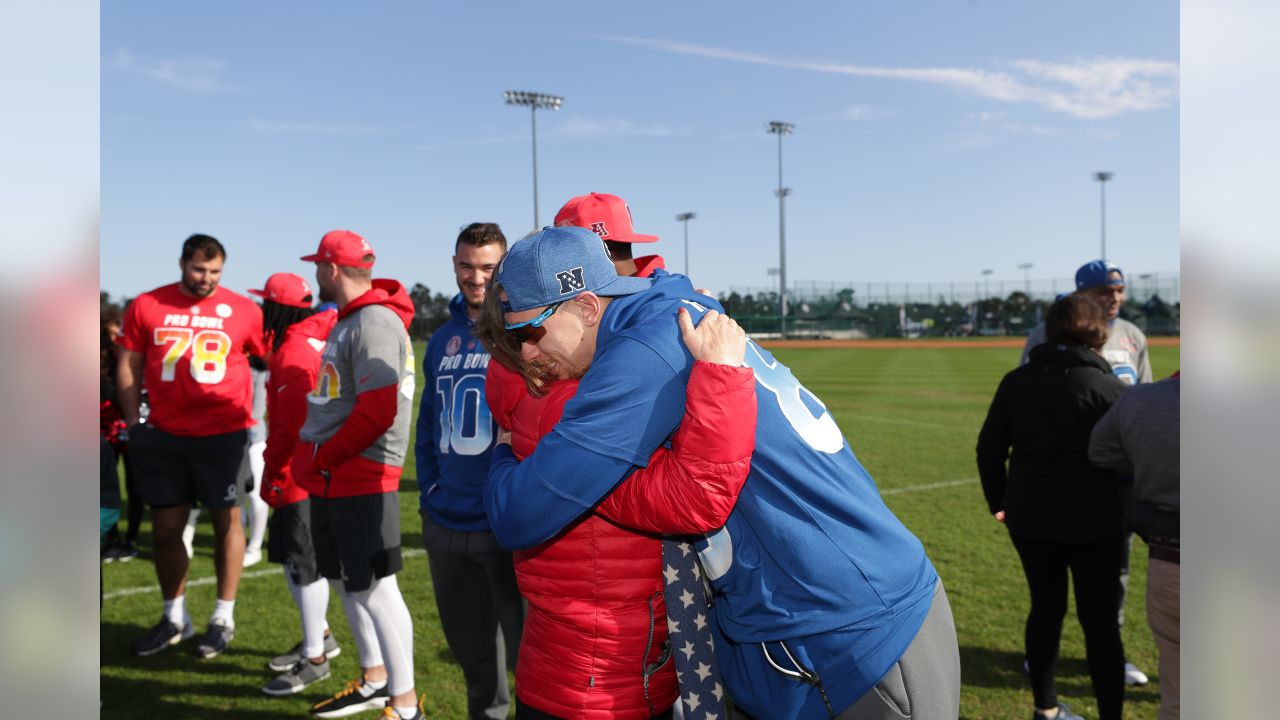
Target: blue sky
x,y
933,139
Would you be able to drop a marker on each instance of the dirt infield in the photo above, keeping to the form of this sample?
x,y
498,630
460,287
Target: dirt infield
x,y
932,344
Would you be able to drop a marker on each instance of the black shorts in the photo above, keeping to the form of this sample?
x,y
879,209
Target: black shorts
x,y
176,470
289,542
357,538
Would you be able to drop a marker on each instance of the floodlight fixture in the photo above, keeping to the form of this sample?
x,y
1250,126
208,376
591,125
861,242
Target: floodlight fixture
x,y
533,101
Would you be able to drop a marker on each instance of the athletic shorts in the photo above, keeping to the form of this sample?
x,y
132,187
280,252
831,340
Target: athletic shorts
x,y
289,541
357,538
176,470
244,476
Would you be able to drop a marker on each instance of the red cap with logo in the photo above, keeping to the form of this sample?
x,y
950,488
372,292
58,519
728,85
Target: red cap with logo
x,y
342,247
605,215
286,289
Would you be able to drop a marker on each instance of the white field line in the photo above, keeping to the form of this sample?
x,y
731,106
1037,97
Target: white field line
x,y
213,580
415,552
930,486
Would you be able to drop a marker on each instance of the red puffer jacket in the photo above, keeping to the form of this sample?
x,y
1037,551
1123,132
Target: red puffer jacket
x,y
595,635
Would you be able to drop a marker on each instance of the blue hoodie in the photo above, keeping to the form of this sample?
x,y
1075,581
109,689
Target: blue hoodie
x,y
456,431
810,556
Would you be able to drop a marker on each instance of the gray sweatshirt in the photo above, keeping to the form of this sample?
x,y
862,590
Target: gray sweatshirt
x,y
1139,435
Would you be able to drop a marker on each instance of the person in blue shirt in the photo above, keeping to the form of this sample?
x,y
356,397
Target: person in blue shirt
x,y
819,593
480,607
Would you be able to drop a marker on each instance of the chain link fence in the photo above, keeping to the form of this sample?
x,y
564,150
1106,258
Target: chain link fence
x,y
937,309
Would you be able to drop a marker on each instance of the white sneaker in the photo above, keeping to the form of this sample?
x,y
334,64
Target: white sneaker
x,y
252,557
1134,676
188,540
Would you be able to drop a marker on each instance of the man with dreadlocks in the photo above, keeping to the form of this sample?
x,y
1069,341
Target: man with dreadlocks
x,y
296,335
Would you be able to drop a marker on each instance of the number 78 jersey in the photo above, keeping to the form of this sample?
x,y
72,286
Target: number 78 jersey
x,y
195,358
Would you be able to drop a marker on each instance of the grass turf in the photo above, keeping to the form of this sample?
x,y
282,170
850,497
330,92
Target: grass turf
x,y
912,417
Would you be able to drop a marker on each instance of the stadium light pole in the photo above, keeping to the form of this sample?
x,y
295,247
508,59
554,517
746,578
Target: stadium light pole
x,y
1102,178
782,128
685,218
1026,276
533,101
986,275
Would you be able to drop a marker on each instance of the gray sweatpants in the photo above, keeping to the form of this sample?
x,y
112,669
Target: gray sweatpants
x,y
481,611
925,682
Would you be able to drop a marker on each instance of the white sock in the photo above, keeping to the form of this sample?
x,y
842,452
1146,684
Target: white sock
x,y
256,508
175,611
222,610
394,625
314,605
407,712
361,628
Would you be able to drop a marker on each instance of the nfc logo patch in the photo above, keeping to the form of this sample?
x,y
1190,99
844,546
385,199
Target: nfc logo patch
x,y
571,280
599,229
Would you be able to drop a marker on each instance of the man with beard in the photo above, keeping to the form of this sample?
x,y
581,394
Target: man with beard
x,y
349,457
480,607
189,344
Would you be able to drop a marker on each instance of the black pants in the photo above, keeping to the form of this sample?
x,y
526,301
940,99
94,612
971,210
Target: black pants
x,y
1095,570
135,507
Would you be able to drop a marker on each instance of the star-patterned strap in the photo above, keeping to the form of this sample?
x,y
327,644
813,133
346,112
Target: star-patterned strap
x,y
688,627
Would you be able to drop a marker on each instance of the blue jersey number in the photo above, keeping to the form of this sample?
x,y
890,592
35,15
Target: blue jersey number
x,y
466,425
810,419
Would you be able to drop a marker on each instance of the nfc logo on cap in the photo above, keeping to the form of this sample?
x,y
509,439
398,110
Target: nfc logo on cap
x,y
570,280
599,229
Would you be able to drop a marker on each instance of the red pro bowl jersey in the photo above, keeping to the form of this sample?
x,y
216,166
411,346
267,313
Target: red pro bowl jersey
x,y
195,358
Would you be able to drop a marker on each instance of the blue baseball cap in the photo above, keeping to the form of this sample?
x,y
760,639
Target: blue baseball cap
x,y
1097,273
560,263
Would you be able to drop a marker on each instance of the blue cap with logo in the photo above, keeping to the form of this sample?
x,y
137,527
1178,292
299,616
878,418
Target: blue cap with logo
x,y
559,263
1097,273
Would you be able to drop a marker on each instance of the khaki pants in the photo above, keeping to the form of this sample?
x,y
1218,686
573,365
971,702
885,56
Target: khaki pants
x,y
1163,599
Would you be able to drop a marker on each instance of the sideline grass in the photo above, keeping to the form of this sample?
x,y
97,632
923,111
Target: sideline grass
x,y
912,416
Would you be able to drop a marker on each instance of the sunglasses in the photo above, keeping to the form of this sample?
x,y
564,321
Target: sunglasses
x,y
531,331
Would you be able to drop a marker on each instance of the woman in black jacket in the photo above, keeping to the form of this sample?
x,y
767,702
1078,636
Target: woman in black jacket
x,y
1062,513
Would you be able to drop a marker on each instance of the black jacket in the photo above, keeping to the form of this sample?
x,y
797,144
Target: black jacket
x,y
1044,411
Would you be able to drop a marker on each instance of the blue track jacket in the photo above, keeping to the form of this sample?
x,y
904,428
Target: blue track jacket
x,y
456,431
816,581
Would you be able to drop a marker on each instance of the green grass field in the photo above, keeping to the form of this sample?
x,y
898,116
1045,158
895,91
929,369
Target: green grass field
x,y
911,415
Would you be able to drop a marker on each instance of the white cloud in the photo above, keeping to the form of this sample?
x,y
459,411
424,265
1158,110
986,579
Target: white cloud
x,y
578,126
201,75
866,112
1086,88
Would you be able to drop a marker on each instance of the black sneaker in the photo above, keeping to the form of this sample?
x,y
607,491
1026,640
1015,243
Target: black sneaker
x,y
389,713
126,552
215,640
355,697
1064,713
280,663
302,674
162,636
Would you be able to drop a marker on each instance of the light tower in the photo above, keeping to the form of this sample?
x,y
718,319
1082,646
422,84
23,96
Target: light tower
x,y
1102,178
685,218
534,101
782,128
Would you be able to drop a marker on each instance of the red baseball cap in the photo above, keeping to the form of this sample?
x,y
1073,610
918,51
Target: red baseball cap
x,y
286,289
605,215
342,247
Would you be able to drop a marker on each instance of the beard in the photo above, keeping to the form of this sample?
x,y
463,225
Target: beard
x,y
200,290
325,294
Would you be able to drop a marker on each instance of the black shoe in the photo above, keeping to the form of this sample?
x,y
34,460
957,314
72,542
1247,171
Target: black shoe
x,y
355,697
215,640
293,680
162,636
281,663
